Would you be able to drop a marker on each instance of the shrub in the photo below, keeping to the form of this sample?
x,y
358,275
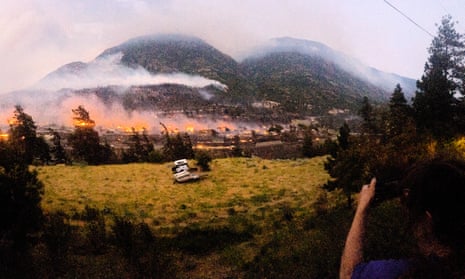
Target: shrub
x,y
203,159
123,231
96,235
57,234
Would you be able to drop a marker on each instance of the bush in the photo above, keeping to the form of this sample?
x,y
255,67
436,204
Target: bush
x,y
123,231
57,234
96,235
203,159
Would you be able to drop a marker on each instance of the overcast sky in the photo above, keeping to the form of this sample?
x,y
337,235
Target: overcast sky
x,y
39,36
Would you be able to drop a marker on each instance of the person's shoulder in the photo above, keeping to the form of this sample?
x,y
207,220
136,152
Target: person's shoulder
x,y
382,269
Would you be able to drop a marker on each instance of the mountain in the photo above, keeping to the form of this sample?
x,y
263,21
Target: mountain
x,y
179,53
176,73
143,60
300,82
316,50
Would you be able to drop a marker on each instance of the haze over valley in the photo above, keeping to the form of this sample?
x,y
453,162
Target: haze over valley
x,y
178,79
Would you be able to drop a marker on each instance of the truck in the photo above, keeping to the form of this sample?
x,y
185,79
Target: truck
x,y
181,171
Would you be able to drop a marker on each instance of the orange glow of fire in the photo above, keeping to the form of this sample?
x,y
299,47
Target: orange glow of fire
x,y
12,121
190,129
136,128
84,124
4,137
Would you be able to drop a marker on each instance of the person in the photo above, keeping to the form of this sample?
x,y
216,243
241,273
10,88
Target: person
x,y
434,197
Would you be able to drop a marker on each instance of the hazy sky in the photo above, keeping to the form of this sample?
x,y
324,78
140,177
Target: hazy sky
x,y
38,36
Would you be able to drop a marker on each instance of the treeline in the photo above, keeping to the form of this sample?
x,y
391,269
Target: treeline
x,y
392,137
85,146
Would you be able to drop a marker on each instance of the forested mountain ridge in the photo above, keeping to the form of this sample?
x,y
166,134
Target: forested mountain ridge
x,y
300,82
303,77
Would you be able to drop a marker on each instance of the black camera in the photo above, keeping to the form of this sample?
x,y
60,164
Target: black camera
x,y
387,190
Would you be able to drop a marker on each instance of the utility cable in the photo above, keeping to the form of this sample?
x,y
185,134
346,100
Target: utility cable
x,y
407,17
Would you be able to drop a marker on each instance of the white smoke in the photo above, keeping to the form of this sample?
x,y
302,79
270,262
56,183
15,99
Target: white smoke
x,y
57,112
109,70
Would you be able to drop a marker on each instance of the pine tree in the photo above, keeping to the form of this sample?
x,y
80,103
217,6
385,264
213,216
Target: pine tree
x,y
20,196
85,141
400,113
307,145
435,103
344,166
23,134
366,112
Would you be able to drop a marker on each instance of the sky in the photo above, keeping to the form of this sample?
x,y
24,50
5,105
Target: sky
x,y
38,36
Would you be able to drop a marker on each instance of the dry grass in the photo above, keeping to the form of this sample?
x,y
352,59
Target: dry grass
x,y
250,187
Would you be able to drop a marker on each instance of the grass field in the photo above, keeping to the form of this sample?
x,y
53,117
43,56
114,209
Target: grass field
x,y
146,192
246,218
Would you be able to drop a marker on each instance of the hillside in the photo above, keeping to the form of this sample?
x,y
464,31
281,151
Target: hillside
x,y
177,53
179,73
341,61
303,83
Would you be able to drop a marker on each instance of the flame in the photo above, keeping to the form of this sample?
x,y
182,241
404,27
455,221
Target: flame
x,y
13,121
84,124
4,137
129,129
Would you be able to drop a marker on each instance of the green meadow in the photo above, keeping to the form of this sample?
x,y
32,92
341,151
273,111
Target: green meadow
x,y
246,218
146,192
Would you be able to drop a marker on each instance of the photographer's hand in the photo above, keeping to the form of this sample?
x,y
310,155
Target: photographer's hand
x,y
353,250
366,195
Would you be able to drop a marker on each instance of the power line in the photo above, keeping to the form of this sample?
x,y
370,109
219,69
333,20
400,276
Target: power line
x,y
407,17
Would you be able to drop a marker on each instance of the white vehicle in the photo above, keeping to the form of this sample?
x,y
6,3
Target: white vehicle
x,y
185,176
182,173
180,162
182,168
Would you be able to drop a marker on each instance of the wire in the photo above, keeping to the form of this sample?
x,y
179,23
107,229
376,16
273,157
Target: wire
x,y
407,17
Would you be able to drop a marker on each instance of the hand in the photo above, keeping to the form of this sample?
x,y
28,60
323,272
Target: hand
x,y
366,195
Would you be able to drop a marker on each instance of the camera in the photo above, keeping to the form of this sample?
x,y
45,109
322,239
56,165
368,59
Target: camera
x,y
387,190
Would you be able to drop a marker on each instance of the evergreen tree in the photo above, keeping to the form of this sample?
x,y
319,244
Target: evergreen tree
x,y
344,166
366,112
85,141
307,146
20,196
140,148
236,149
343,136
178,146
23,134
435,103
57,149
400,113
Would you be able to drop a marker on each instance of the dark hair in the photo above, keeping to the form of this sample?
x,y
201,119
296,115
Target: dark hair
x,y
438,187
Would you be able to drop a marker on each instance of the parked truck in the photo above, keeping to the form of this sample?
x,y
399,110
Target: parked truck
x,y
182,171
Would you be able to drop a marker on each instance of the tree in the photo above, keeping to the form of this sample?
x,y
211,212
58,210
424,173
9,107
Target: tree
x,y
139,148
399,114
178,146
307,146
20,196
344,166
23,134
57,150
343,136
85,141
366,112
236,149
435,104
